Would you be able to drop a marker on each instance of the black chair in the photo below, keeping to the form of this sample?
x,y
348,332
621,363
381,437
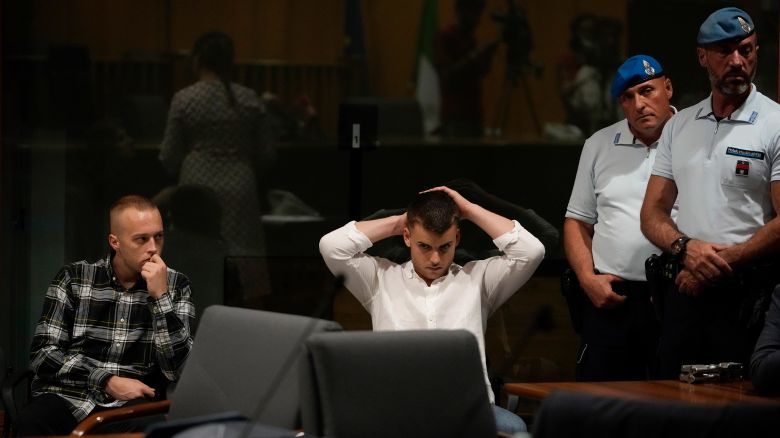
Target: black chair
x,y
570,414
243,361
395,384
15,392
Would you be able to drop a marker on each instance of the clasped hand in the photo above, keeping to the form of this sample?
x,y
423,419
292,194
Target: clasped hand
x,y
704,266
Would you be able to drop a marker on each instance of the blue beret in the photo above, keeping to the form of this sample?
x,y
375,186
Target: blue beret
x,y
725,24
635,70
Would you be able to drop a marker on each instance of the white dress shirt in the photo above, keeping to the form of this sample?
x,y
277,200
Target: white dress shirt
x,y
398,299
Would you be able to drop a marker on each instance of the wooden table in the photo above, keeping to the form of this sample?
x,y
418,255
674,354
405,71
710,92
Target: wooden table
x,y
116,435
657,390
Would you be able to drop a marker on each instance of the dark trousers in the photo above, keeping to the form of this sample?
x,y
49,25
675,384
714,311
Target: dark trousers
x,y
706,329
619,343
49,414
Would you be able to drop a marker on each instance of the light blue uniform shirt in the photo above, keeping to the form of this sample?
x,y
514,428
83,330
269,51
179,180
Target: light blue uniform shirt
x,y
608,192
722,169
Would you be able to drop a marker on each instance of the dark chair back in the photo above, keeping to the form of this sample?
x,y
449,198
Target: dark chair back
x,y
246,361
396,384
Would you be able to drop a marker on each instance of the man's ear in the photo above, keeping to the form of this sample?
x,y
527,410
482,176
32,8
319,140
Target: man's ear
x,y
407,237
668,88
701,54
457,238
113,241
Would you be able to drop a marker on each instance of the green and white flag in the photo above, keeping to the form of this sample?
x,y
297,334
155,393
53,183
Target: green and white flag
x,y
427,80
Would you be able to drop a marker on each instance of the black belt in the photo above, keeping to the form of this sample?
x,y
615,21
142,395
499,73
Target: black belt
x,y
631,289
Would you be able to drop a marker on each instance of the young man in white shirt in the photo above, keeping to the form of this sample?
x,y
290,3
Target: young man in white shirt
x,y
430,291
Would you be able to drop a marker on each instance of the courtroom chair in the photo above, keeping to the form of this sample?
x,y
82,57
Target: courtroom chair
x,y
15,393
572,414
425,383
244,361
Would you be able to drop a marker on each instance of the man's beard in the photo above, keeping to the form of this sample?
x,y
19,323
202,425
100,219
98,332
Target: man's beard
x,y
728,88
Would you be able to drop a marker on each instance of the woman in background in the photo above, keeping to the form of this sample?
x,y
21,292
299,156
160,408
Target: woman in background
x,y
214,134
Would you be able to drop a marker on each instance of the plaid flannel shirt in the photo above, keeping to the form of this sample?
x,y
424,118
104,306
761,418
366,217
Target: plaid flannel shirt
x,y
92,328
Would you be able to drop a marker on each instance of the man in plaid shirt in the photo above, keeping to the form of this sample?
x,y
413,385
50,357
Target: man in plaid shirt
x,y
112,332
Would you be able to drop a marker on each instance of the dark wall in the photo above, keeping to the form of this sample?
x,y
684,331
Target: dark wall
x,y
667,30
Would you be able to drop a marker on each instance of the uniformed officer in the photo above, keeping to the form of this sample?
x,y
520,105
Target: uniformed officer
x,y
721,160
603,242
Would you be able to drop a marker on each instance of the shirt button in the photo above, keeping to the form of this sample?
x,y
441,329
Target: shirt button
x,y
117,344
122,320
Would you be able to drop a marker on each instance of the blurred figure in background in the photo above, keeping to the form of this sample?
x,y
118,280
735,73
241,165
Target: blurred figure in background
x,y
585,72
296,122
193,242
462,65
215,137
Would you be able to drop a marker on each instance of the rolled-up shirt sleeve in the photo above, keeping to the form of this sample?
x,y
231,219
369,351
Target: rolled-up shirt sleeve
x,y
343,252
663,157
582,202
505,274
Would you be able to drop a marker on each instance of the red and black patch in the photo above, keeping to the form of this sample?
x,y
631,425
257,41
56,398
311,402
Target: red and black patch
x,y
743,168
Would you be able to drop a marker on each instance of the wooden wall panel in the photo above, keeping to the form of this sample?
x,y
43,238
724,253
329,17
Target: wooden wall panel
x,y
391,34
391,28
297,30
108,28
549,22
312,31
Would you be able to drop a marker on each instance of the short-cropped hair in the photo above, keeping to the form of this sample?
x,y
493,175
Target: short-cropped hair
x,y
435,211
135,201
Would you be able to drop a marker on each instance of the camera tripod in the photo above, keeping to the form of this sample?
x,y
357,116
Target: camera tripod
x,y
504,101
517,36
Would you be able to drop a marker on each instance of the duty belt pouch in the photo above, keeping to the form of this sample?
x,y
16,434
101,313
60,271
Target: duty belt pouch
x,y
753,310
656,282
755,288
575,298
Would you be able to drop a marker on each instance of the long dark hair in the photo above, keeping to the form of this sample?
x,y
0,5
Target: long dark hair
x,y
214,51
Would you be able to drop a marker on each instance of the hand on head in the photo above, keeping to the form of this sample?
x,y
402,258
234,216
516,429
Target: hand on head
x,y
463,204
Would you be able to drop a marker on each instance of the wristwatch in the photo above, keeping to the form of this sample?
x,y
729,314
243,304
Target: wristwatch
x,y
678,246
